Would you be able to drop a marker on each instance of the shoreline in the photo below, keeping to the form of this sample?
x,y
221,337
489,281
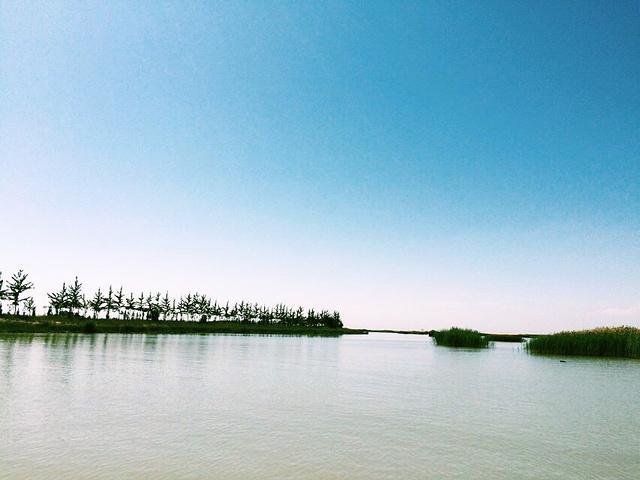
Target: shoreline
x,y
63,324
58,324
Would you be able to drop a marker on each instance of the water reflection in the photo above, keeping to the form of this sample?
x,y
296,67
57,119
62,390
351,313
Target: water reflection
x,y
380,406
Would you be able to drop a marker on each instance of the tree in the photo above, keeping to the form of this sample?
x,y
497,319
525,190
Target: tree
x,y
84,305
311,318
108,302
59,300
334,321
165,306
151,306
30,306
181,309
188,306
17,286
3,292
118,302
74,297
130,305
70,299
97,303
141,304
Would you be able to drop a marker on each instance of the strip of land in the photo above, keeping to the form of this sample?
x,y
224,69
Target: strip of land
x,y
61,324
492,337
402,332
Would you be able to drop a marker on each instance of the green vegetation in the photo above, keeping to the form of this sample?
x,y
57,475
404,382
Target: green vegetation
x,y
16,287
70,309
601,342
460,337
61,324
89,327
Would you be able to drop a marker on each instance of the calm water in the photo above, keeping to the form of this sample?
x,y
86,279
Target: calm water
x,y
358,407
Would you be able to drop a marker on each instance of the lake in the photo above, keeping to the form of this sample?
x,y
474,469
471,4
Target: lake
x,y
381,406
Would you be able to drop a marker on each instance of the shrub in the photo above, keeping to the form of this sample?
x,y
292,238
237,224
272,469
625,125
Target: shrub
x,y
154,314
89,327
126,328
460,337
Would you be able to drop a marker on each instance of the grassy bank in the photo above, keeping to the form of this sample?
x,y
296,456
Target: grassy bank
x,y
600,342
53,324
460,337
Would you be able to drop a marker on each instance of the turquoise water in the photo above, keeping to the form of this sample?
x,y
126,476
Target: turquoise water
x,y
381,406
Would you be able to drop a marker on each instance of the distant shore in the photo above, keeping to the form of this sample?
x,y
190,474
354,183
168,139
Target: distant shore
x,y
62,324
492,337
402,332
75,324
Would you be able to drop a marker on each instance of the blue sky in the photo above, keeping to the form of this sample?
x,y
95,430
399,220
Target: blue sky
x,y
413,164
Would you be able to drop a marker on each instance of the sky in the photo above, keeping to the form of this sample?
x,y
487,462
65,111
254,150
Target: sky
x,y
414,165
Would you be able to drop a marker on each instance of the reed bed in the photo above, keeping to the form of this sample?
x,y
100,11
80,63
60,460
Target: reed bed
x,y
599,342
460,337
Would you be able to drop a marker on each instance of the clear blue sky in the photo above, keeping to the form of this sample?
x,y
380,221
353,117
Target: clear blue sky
x,y
413,164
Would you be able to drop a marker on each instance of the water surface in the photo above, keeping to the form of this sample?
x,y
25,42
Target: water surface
x,y
380,406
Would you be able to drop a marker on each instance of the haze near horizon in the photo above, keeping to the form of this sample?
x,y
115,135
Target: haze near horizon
x,y
414,165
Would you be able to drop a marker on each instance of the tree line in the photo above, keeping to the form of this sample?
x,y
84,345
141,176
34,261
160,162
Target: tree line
x,y
112,303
